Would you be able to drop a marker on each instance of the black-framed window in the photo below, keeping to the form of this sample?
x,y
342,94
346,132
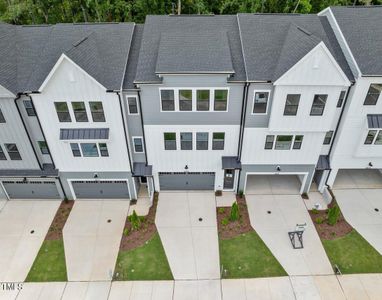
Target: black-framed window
x,y
79,110
318,106
169,140
328,137
283,142
13,151
373,94
203,100
138,144
186,141
269,139
260,102
2,154
2,119
96,109
378,139
167,100
62,111
133,106
75,149
28,105
103,149
297,143
43,147
89,149
341,99
291,104
218,140
185,100
370,137
220,101
202,141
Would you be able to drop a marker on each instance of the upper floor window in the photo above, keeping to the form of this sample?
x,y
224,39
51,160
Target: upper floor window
x,y
341,99
167,100
260,102
328,137
203,100
370,137
89,149
29,108
43,147
202,141
185,100
169,140
269,142
297,143
96,109
2,119
283,142
378,140
291,104
221,98
218,140
318,105
138,144
186,140
75,149
373,94
132,105
2,154
62,111
13,152
103,149
80,111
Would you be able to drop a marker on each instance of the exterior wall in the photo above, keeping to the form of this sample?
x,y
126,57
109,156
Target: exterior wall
x,y
258,120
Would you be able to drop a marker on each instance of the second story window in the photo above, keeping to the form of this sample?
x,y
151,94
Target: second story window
x,y
283,142
186,141
29,108
269,142
328,137
13,152
2,154
318,105
169,140
370,137
373,94
202,141
260,102
220,101
297,143
218,140
291,104
341,99
89,149
132,105
62,111
75,149
96,109
167,100
138,144
203,100
79,110
185,100
2,119
103,149
43,147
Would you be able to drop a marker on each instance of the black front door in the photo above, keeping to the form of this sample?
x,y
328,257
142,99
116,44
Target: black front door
x,y
229,178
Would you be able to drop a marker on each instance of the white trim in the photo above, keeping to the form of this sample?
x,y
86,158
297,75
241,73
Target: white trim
x,y
143,146
5,191
128,107
93,179
253,101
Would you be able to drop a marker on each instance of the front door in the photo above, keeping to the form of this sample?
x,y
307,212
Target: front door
x,y
229,178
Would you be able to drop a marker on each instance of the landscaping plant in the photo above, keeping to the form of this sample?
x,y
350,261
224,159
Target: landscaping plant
x,y
333,215
135,221
235,215
241,194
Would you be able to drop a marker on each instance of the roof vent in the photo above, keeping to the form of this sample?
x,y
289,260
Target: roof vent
x,y
304,30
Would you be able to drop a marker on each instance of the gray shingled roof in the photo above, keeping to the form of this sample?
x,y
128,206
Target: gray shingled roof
x,y
156,55
273,43
362,29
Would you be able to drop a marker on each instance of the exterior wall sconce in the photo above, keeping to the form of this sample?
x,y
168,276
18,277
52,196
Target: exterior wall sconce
x,y
278,168
95,175
370,164
186,167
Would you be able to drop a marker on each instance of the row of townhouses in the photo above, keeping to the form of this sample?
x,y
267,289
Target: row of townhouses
x,y
189,103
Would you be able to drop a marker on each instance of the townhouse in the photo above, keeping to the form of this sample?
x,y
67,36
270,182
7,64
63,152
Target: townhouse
x,y
188,103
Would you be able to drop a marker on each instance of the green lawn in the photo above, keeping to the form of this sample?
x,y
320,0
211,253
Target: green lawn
x,y
353,254
246,256
148,262
49,264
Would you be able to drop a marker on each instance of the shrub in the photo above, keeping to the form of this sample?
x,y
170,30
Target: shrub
x,y
319,220
235,215
333,215
218,193
241,194
135,221
315,211
225,221
221,210
126,232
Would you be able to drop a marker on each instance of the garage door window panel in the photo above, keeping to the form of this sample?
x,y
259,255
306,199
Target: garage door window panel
x,y
269,142
185,100
186,141
218,140
318,106
291,104
203,100
373,94
13,151
89,150
221,98
167,100
79,110
169,140
62,111
202,141
283,142
96,109
2,154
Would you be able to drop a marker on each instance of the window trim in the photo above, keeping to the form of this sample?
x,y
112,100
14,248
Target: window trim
x,y
324,106
367,93
192,140
253,102
28,110
342,99
100,152
212,142
209,99
9,153
374,137
160,100
96,112
136,101
71,117
164,141
300,142
47,148
267,143
331,137
379,133
86,111
285,106
89,143
196,140
284,135
143,145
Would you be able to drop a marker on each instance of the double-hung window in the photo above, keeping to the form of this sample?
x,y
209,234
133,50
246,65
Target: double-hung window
x,y
378,140
373,94
283,142
169,140
2,119
79,110
13,152
202,141
370,137
2,154
89,149
96,109
341,99
186,140
132,104
297,142
220,101
185,100
29,108
62,111
75,149
138,144
103,149
203,100
43,147
318,105
218,140
269,142
260,102
328,137
167,100
291,104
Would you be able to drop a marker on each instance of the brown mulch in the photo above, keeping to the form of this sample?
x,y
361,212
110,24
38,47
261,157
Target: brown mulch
x,y
137,238
326,231
62,214
235,228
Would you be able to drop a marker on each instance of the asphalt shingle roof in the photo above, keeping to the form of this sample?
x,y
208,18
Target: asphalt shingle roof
x,y
362,29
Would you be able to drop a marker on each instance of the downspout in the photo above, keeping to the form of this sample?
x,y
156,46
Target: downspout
x,y
143,128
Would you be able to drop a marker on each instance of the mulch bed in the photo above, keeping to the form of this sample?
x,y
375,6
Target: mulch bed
x,y
235,228
62,214
137,238
326,231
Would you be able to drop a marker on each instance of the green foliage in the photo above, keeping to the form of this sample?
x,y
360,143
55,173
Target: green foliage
x,y
315,211
221,210
225,221
126,232
241,193
135,221
333,215
319,220
235,215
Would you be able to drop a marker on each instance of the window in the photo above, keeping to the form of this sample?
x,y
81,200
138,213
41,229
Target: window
x,y
202,141
167,100
75,149
29,108
89,149
297,142
2,119
138,144
260,102
370,137
2,154
218,141
328,137
103,149
62,111
13,152
220,103
291,104
169,141
185,100
132,104
318,106
43,147
269,142
283,142
373,94
96,109
203,100
341,99
378,140
80,111
186,141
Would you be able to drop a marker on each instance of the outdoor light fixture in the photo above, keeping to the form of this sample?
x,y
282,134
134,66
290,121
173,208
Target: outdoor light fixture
x,y
370,164
278,168
95,175
25,180
186,167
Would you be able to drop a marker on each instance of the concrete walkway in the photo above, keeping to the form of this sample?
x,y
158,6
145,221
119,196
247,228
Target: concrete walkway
x,y
92,236
186,223
23,227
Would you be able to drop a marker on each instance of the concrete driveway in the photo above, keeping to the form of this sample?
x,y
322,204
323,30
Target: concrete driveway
x,y
23,226
186,223
92,242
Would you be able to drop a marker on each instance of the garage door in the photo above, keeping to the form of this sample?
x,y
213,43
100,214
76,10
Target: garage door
x,y
31,189
187,181
84,189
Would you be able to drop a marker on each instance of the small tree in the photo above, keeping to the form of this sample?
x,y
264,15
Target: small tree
x,y
135,221
333,215
235,215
